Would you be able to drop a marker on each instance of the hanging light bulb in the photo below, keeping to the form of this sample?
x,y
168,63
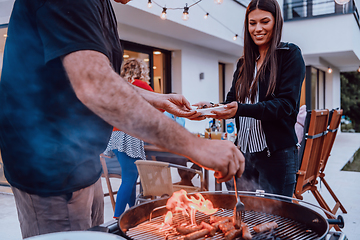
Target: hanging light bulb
x,y
329,69
185,15
342,2
358,69
163,14
218,1
235,37
149,4
206,15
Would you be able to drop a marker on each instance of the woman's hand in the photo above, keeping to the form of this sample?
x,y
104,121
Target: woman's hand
x,y
229,112
199,116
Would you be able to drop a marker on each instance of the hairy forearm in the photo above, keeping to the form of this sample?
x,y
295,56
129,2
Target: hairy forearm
x,y
118,103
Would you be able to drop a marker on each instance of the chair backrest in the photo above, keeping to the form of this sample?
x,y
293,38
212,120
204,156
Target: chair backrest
x,y
111,169
155,178
334,122
312,148
111,166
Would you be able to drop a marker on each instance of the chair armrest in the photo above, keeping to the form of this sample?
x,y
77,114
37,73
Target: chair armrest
x,y
191,170
182,167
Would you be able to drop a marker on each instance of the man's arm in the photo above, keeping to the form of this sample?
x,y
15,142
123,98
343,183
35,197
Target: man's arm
x,y
109,96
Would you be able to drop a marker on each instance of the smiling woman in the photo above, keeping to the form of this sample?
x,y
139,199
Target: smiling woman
x,y
264,100
261,25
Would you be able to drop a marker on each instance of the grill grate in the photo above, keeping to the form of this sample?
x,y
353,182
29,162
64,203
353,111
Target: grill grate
x,y
287,228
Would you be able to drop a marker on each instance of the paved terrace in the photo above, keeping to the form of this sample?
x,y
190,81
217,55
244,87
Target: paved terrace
x,y
346,186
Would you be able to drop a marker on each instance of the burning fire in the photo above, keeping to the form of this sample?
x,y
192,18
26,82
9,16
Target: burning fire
x,y
168,218
179,201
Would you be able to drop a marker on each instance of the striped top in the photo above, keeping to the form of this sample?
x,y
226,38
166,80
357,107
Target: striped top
x,y
251,136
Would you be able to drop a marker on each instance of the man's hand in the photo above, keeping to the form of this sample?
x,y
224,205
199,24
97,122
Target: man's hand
x,y
175,104
221,156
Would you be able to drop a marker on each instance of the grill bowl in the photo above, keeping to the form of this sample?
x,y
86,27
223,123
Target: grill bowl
x,y
294,218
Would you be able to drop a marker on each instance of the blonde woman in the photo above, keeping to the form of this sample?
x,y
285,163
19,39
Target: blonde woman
x,y
126,148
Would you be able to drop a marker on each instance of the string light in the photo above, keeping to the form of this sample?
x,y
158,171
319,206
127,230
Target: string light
x,y
149,4
330,69
185,15
358,69
163,14
342,2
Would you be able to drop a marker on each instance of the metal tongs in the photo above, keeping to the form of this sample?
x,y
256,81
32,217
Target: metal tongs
x,y
239,209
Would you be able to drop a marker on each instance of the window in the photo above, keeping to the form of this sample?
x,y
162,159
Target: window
x,y
315,88
297,9
159,63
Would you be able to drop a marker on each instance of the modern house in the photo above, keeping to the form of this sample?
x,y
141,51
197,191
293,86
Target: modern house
x,y
197,57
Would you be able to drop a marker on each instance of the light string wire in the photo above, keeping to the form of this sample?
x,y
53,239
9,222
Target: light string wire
x,y
217,20
206,12
177,8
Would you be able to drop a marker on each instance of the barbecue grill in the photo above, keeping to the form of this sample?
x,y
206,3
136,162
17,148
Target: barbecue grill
x,y
295,221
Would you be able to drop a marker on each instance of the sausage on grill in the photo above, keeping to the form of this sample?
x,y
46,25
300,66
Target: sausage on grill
x,y
245,231
186,230
197,234
214,219
265,227
207,226
232,234
225,227
217,224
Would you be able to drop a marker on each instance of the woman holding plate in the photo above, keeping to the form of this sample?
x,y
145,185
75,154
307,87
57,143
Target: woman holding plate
x,y
264,100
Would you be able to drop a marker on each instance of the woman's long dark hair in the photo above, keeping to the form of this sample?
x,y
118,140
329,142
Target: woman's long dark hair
x,y
246,73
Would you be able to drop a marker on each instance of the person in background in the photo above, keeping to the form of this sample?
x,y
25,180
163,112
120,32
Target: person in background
x,y
126,148
60,96
264,100
185,176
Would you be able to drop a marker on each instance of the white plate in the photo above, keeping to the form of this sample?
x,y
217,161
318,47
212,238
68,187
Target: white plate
x,y
207,111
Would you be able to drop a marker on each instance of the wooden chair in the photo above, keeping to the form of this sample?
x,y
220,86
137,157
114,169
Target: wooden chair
x,y
334,123
156,180
155,176
316,124
111,169
310,153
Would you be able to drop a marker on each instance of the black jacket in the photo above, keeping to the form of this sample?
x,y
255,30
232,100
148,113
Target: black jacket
x,y
278,111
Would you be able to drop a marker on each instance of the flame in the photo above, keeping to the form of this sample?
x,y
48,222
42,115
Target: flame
x,y
179,201
168,218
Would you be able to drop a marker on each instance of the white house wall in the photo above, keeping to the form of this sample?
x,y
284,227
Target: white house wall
x,y
5,10
224,20
325,35
332,90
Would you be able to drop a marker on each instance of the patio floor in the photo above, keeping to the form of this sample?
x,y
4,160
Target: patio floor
x,y
346,186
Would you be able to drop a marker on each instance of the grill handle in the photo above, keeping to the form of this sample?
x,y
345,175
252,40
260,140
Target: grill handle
x,y
339,221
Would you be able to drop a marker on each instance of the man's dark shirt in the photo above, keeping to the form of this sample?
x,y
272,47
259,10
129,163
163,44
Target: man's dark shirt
x,y
50,142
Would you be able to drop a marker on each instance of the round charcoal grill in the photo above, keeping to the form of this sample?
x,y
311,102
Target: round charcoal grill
x,y
294,221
